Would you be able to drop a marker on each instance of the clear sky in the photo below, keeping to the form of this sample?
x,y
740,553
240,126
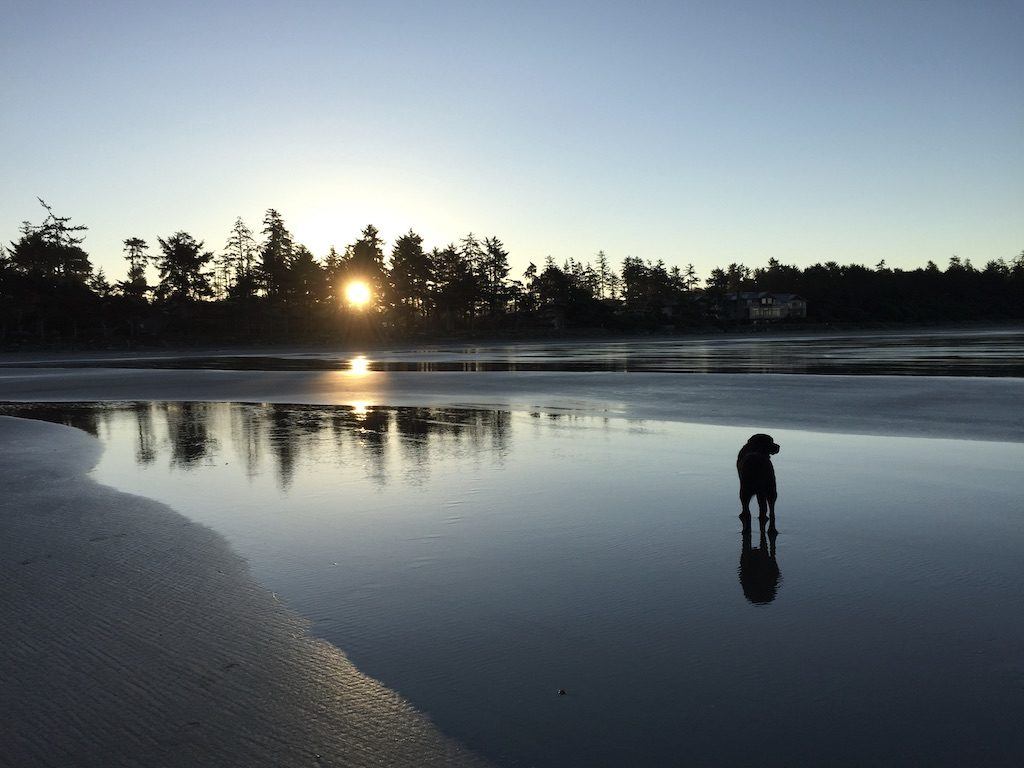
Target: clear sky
x,y
699,133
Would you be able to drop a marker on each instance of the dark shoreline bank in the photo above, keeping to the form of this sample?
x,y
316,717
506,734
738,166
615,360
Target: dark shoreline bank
x,y
768,331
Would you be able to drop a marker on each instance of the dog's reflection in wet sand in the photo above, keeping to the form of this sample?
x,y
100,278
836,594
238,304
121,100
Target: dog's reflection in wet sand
x,y
759,569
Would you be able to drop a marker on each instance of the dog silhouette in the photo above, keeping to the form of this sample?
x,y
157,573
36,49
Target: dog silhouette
x,y
757,476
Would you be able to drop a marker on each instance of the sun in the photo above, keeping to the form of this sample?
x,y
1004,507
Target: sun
x,y
357,294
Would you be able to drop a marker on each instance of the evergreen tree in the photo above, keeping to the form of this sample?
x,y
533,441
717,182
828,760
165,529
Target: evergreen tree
x,y
530,299
51,251
411,272
690,279
454,285
495,275
99,284
137,256
554,286
365,261
334,266
275,254
305,280
237,262
603,276
181,265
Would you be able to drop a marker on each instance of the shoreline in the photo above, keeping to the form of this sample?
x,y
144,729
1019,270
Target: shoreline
x,y
133,636
40,355
982,408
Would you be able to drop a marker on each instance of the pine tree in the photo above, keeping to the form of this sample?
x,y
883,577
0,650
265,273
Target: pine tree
x,y
454,284
181,265
690,277
99,284
237,262
334,266
365,261
275,254
603,273
410,275
495,275
52,250
135,253
305,280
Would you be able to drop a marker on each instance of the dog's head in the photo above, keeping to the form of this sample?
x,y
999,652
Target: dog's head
x,y
763,444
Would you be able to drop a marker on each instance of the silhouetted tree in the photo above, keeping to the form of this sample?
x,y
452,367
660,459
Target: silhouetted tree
x,y
333,274
454,288
494,275
99,284
411,271
473,255
364,260
182,265
690,279
529,298
304,283
52,250
275,254
136,254
604,275
236,264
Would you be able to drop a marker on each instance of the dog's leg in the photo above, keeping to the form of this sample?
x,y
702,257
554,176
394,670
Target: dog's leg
x,y
745,496
771,512
762,506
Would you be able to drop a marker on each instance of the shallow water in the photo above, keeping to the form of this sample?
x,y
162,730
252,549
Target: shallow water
x,y
918,353
478,561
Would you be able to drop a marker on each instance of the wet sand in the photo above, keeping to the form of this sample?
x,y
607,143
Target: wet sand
x,y
131,636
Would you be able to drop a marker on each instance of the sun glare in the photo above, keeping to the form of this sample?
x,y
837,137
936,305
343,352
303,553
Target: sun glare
x,y
357,294
359,365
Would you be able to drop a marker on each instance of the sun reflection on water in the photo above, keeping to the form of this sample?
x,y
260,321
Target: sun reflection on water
x,y
359,365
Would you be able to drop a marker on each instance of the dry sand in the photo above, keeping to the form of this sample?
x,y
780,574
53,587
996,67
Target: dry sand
x,y
131,636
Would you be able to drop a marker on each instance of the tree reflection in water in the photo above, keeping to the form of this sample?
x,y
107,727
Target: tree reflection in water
x,y
186,434
188,431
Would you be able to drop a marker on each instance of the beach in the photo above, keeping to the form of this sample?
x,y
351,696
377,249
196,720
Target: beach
x,y
132,636
135,635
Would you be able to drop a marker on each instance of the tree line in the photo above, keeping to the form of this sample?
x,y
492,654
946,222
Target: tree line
x,y
267,286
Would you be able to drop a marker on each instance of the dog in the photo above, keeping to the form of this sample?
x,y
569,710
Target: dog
x,y
757,475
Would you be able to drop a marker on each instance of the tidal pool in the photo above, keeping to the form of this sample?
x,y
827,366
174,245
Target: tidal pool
x,y
479,561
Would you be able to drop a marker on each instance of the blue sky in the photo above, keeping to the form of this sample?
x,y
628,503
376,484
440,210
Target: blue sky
x,y
701,133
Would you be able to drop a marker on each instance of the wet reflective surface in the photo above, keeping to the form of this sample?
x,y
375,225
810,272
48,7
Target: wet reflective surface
x,y
961,353
478,561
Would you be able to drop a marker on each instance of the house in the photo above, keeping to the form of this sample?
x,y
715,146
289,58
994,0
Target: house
x,y
763,306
